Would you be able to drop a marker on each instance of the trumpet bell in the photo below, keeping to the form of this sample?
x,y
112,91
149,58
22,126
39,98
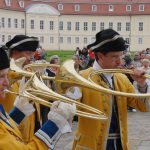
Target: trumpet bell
x,y
68,77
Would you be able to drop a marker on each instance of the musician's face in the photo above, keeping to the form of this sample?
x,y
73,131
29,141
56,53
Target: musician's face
x,y
3,82
27,54
111,60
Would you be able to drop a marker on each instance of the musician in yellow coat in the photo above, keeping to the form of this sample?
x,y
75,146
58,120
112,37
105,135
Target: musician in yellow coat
x,y
108,134
46,137
18,47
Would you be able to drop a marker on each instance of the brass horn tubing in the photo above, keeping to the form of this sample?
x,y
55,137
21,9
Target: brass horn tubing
x,y
126,71
41,65
29,74
48,104
117,93
75,103
65,99
79,113
25,95
58,96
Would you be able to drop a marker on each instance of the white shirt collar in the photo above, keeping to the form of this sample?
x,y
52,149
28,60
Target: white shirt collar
x,y
109,76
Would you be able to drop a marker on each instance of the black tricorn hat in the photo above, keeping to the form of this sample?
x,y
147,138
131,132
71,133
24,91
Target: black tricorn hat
x,y
108,40
23,43
4,60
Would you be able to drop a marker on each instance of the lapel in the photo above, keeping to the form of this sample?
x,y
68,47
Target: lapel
x,y
98,80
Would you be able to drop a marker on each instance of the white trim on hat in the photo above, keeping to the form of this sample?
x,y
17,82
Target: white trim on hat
x,y
23,41
106,41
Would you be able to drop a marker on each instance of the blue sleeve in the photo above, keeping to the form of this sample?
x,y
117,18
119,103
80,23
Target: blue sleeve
x,y
49,134
16,115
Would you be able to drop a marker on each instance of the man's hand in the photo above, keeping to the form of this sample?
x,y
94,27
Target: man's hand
x,y
138,76
62,114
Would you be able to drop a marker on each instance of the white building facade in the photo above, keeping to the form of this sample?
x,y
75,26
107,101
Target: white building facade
x,y
65,25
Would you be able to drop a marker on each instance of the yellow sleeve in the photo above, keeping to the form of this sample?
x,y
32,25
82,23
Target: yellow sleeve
x,y
10,141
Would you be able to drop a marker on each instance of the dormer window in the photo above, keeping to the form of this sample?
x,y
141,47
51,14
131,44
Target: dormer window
x,y
21,4
128,7
77,7
8,2
94,8
60,7
111,8
141,7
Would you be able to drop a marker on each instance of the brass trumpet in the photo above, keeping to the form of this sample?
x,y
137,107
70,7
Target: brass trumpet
x,y
67,77
16,73
37,91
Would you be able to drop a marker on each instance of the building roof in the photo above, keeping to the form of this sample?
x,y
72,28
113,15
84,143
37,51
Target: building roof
x,y
42,9
51,6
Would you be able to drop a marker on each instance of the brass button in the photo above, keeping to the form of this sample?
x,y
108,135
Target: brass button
x,y
105,109
11,133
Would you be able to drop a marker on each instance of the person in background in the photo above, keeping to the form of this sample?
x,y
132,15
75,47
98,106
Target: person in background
x,y
51,72
78,62
137,60
145,65
78,51
47,136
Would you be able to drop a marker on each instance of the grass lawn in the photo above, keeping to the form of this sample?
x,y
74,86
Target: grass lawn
x,y
62,54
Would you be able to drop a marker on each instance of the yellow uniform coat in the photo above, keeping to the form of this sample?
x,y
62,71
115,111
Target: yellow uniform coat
x,y
27,126
11,138
92,134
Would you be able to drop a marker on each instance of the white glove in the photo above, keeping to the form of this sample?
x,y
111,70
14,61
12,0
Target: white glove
x,y
62,114
24,106
22,103
74,93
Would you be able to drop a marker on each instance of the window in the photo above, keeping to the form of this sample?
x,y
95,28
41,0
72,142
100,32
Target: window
x,y
51,40
3,38
3,22
94,8
128,7
51,25
22,23
77,40
77,7
41,39
41,24
92,39
102,26
140,26
85,40
140,41
15,23
110,25
77,26
60,39
8,2
9,22
93,26
119,26
61,25
85,24
141,7
21,3
127,40
60,7
32,24
111,8
9,37
69,40
69,25
128,26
